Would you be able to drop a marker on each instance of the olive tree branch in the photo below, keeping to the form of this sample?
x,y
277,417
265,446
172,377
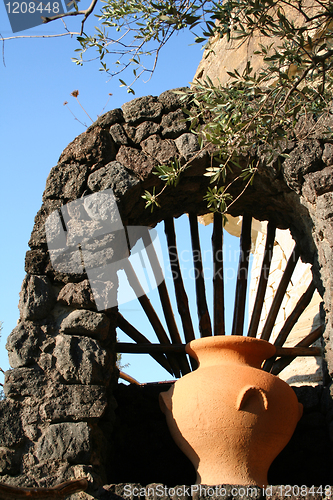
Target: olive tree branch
x,y
243,191
86,13
71,33
308,18
316,60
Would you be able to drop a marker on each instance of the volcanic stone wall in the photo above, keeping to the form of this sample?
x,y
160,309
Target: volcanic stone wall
x,y
59,413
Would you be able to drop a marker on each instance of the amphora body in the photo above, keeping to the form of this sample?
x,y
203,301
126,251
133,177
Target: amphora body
x,y
229,417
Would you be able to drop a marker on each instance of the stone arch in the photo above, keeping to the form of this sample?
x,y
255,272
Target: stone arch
x,y
60,390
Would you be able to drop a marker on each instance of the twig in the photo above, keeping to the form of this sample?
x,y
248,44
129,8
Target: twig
x,y
75,94
104,106
86,13
71,33
69,109
247,184
3,50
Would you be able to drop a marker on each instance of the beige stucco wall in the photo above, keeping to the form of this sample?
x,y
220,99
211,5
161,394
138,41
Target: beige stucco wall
x,y
303,370
222,56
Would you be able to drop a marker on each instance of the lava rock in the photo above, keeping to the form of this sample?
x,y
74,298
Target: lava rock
x,y
65,441
81,360
142,109
84,322
77,295
37,297
23,344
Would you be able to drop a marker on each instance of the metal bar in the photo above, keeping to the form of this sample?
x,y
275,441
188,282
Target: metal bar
x,y
61,491
128,378
300,307
241,285
264,274
148,348
150,312
135,335
165,299
180,293
205,326
181,296
290,322
281,363
280,292
218,282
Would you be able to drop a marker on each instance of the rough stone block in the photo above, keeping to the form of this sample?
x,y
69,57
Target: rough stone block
x,y
66,182
84,322
108,119
305,158
173,124
187,145
38,236
105,250
142,109
115,176
66,265
23,344
74,402
144,130
172,101
136,161
325,206
81,231
118,134
90,148
9,461
81,360
66,441
328,154
104,282
36,297
78,295
36,261
317,183
164,150
23,382
30,417
11,432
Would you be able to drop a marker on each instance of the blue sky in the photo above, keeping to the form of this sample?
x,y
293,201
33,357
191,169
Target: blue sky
x,y
37,77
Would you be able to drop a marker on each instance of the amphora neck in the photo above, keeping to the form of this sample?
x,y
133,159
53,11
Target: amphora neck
x,y
230,349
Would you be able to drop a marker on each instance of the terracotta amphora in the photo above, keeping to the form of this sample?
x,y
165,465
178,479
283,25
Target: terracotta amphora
x,y
229,417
